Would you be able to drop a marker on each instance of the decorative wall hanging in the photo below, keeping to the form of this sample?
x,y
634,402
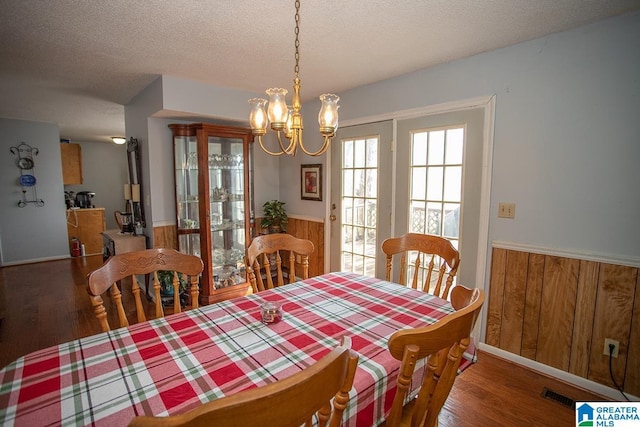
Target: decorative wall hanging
x,y
27,178
311,182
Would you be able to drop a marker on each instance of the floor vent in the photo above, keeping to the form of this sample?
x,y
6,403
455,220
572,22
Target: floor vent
x,y
557,397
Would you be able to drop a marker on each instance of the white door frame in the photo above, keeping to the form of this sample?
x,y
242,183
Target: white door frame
x,y
487,103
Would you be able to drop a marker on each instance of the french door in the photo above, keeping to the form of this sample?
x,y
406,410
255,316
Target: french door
x,y
428,181
361,159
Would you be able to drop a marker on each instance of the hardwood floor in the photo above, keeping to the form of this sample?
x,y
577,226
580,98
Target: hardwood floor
x,y
47,304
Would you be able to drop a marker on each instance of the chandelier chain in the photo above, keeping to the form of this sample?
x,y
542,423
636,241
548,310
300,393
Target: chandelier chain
x,y
297,43
286,120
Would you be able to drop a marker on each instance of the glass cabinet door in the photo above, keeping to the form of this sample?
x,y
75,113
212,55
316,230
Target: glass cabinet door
x,y
213,204
187,199
227,207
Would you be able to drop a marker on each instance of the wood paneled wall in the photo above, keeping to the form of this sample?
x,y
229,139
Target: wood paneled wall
x,y
558,311
166,237
310,230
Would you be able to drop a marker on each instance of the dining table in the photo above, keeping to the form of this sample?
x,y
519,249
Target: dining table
x,y
173,364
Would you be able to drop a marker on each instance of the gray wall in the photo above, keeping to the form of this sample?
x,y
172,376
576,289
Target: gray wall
x,y
566,132
147,117
566,141
34,233
31,233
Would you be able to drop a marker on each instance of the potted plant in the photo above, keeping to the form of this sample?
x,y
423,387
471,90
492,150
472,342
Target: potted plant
x,y
275,217
165,277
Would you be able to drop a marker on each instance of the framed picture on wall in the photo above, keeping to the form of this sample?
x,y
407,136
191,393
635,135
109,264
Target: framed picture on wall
x,y
311,182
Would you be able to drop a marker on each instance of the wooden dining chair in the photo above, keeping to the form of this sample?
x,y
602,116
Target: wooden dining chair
x,y
427,262
443,344
290,402
131,264
265,258
118,217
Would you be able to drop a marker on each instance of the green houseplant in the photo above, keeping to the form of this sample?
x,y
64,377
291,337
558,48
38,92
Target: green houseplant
x,y
165,277
275,216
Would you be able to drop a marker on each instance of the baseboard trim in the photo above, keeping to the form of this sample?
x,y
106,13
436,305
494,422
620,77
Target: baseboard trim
x,y
575,380
33,261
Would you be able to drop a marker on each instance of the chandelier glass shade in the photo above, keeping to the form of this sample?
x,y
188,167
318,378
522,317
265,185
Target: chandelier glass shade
x,y
287,120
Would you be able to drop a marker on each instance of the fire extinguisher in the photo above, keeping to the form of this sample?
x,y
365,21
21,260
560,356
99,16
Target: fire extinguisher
x,y
75,247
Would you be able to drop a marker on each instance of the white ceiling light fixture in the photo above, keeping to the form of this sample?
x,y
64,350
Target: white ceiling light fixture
x,y
119,139
288,119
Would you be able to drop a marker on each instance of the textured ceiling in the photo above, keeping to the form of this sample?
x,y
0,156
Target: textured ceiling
x,y
77,62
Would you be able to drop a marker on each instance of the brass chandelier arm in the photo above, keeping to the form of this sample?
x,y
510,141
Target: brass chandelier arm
x,y
295,142
291,148
266,150
323,149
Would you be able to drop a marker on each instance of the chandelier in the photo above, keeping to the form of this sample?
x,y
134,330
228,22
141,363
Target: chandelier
x,y
288,120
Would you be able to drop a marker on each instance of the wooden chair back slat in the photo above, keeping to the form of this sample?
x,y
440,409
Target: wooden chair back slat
x,y
289,402
443,343
424,246
264,260
146,262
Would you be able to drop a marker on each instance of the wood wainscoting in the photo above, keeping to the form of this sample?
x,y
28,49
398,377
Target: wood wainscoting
x,y
314,231
165,237
559,310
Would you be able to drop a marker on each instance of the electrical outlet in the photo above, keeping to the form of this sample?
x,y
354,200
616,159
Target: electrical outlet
x,y
506,210
616,347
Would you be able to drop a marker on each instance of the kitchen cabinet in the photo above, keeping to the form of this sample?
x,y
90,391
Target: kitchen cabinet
x,y
71,163
214,204
87,226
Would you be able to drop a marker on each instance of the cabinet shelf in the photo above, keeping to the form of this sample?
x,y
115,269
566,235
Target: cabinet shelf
x,y
214,208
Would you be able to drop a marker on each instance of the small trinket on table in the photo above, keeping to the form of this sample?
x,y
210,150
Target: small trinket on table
x,y
271,312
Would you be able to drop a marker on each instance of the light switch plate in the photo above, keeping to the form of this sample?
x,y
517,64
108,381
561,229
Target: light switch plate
x,y
506,210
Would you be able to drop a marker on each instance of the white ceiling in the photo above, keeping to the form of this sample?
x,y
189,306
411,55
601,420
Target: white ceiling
x,y
78,62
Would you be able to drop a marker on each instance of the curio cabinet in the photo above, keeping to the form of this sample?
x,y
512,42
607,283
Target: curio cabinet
x,y
214,205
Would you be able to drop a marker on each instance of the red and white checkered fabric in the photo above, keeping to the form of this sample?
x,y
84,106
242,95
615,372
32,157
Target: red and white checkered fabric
x,y
174,364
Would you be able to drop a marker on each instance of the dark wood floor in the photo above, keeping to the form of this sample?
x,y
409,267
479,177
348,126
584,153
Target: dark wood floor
x,y
47,304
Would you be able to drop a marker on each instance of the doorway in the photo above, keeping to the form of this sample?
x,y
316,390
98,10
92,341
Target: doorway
x,y
355,234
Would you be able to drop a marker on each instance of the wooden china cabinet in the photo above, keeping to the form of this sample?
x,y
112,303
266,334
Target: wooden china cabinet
x,y
214,205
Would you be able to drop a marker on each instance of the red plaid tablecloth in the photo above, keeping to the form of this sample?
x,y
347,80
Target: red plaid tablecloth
x,y
171,365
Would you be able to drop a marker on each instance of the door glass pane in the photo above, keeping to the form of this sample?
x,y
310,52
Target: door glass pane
x,y
347,154
372,153
359,205
371,183
419,149
359,153
435,147
419,180
451,221
358,182
453,183
434,183
347,182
